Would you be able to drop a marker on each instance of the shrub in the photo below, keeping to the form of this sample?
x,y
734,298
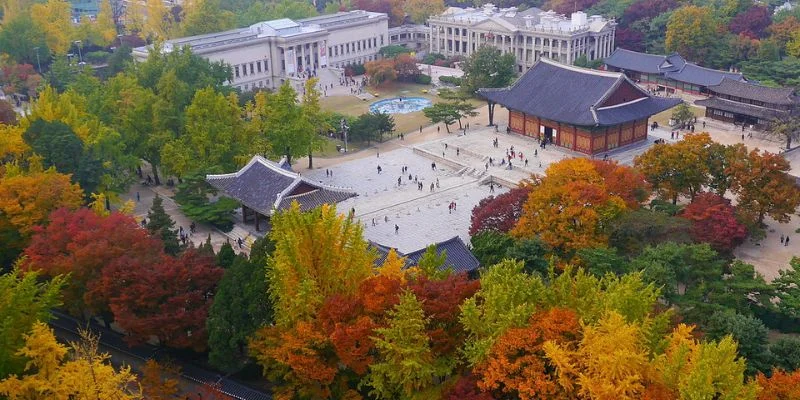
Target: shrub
x,y
97,57
354,69
450,80
423,79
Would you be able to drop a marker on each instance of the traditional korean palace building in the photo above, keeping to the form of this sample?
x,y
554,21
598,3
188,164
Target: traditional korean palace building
x,y
263,187
581,109
458,257
669,73
748,103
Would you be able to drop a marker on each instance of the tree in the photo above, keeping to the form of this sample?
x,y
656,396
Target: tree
x,y
785,127
258,11
691,31
240,307
205,16
601,261
405,66
226,256
458,101
380,71
623,181
442,112
786,354
781,385
20,37
26,200
156,381
714,222
680,269
86,373
23,302
55,19
569,208
279,124
507,298
160,23
752,23
194,195
420,10
787,289
317,254
105,25
762,186
82,244
677,168
749,332
161,226
534,253
163,296
516,364
213,139
487,67
314,117
405,363
7,114
633,231
490,247
682,114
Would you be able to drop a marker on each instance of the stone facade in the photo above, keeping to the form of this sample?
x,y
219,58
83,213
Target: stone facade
x,y
268,53
529,35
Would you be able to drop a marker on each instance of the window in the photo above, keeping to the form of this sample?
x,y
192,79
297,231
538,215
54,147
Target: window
x,y
236,71
258,66
252,69
266,65
244,69
375,42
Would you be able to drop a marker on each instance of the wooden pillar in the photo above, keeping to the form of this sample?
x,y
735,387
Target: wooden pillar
x,y
244,214
258,227
574,137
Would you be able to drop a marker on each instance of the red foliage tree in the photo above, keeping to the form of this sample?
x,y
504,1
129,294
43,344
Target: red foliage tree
x,y
753,22
645,9
163,296
780,386
714,222
82,243
517,364
499,213
630,39
441,300
466,388
623,181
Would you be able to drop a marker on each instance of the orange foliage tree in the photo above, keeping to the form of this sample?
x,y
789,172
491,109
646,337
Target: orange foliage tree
x,y
517,365
763,187
569,207
781,385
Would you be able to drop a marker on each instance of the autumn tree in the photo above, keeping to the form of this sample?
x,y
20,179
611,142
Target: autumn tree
x,y
569,208
380,71
714,222
56,372
675,169
691,31
516,364
205,16
23,302
780,385
404,365
26,200
159,381
623,181
753,22
420,10
762,185
55,19
165,297
7,114
82,244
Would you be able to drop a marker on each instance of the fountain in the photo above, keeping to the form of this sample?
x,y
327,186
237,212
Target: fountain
x,y
400,105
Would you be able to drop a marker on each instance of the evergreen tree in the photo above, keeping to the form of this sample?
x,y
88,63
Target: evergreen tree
x,y
226,255
160,225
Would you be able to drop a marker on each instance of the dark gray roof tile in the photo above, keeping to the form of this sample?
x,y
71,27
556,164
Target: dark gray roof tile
x,y
747,90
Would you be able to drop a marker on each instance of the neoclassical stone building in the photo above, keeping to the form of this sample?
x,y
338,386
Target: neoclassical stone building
x,y
265,54
529,35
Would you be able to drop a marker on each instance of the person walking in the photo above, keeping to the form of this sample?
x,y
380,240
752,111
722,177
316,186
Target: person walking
x,y
396,229
782,237
491,187
786,242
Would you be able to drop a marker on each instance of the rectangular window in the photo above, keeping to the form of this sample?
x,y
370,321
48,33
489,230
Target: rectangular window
x,y
244,69
236,71
258,66
252,69
266,65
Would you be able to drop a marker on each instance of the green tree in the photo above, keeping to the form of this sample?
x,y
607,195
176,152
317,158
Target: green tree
x,y
20,38
682,270
205,16
601,261
787,288
432,264
264,11
487,67
226,256
749,332
280,127
682,113
786,353
23,301
490,246
447,113
534,253
691,31
313,115
240,307
458,101
405,362
160,225
785,127
194,195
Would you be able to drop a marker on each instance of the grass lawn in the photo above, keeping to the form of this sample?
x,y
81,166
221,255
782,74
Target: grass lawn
x,y
351,105
329,147
663,117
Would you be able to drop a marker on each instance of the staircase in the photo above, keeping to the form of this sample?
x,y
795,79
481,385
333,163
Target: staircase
x,y
238,232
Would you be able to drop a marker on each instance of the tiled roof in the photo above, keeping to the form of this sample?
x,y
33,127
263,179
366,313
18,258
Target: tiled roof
x,y
672,66
572,95
264,186
747,90
736,107
457,255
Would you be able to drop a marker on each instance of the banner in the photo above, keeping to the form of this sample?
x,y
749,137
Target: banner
x,y
323,55
290,60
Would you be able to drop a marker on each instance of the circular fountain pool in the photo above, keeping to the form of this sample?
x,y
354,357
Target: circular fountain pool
x,y
400,105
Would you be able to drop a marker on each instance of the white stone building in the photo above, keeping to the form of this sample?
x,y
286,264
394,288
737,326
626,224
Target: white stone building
x,y
266,54
529,34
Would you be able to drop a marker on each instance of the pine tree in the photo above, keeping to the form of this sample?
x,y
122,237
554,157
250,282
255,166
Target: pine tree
x,y
162,226
226,256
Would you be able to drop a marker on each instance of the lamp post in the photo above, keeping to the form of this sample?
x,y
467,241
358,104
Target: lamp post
x,y
38,63
344,127
80,56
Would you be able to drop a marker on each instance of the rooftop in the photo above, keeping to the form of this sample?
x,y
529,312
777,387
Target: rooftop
x,y
578,96
748,90
672,66
458,256
265,186
531,19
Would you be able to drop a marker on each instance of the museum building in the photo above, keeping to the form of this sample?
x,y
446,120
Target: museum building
x,y
583,110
